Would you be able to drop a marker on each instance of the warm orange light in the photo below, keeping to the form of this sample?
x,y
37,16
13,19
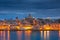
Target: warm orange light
x,y
40,28
17,27
27,27
8,28
2,27
47,27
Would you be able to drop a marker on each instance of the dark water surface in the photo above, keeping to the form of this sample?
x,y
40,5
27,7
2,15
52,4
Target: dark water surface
x,y
29,35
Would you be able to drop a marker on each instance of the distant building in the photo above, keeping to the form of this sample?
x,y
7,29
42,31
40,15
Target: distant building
x,y
30,19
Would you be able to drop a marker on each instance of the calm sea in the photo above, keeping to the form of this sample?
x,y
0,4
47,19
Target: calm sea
x,y
29,35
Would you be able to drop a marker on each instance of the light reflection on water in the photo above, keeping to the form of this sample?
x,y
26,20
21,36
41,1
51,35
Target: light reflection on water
x,y
19,34
2,35
8,35
59,35
29,35
45,35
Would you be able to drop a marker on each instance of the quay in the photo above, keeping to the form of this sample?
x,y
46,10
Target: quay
x,y
30,27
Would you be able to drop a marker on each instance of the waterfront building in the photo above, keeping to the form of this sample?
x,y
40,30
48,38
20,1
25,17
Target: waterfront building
x,y
30,19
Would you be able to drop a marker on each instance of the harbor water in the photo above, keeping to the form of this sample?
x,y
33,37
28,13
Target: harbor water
x,y
29,35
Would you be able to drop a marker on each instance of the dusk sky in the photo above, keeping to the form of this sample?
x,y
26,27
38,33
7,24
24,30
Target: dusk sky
x,y
21,8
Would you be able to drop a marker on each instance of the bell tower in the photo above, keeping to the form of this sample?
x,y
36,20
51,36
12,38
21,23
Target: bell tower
x,y
30,16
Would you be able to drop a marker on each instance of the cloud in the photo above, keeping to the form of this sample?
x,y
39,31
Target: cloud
x,y
44,7
38,12
28,4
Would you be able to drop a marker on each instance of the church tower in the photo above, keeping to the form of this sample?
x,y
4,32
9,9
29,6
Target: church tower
x,y
30,16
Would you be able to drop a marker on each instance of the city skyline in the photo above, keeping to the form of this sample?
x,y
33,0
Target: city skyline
x,y
22,16
29,19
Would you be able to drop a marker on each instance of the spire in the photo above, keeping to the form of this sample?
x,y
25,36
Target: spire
x,y
30,16
17,17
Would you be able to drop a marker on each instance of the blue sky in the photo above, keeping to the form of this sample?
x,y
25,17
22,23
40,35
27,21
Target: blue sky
x,y
21,8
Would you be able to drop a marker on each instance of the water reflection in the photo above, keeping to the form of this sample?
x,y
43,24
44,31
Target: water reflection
x,y
8,35
35,35
29,35
19,34
41,34
45,35
54,35
59,35
13,35
2,35
48,35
